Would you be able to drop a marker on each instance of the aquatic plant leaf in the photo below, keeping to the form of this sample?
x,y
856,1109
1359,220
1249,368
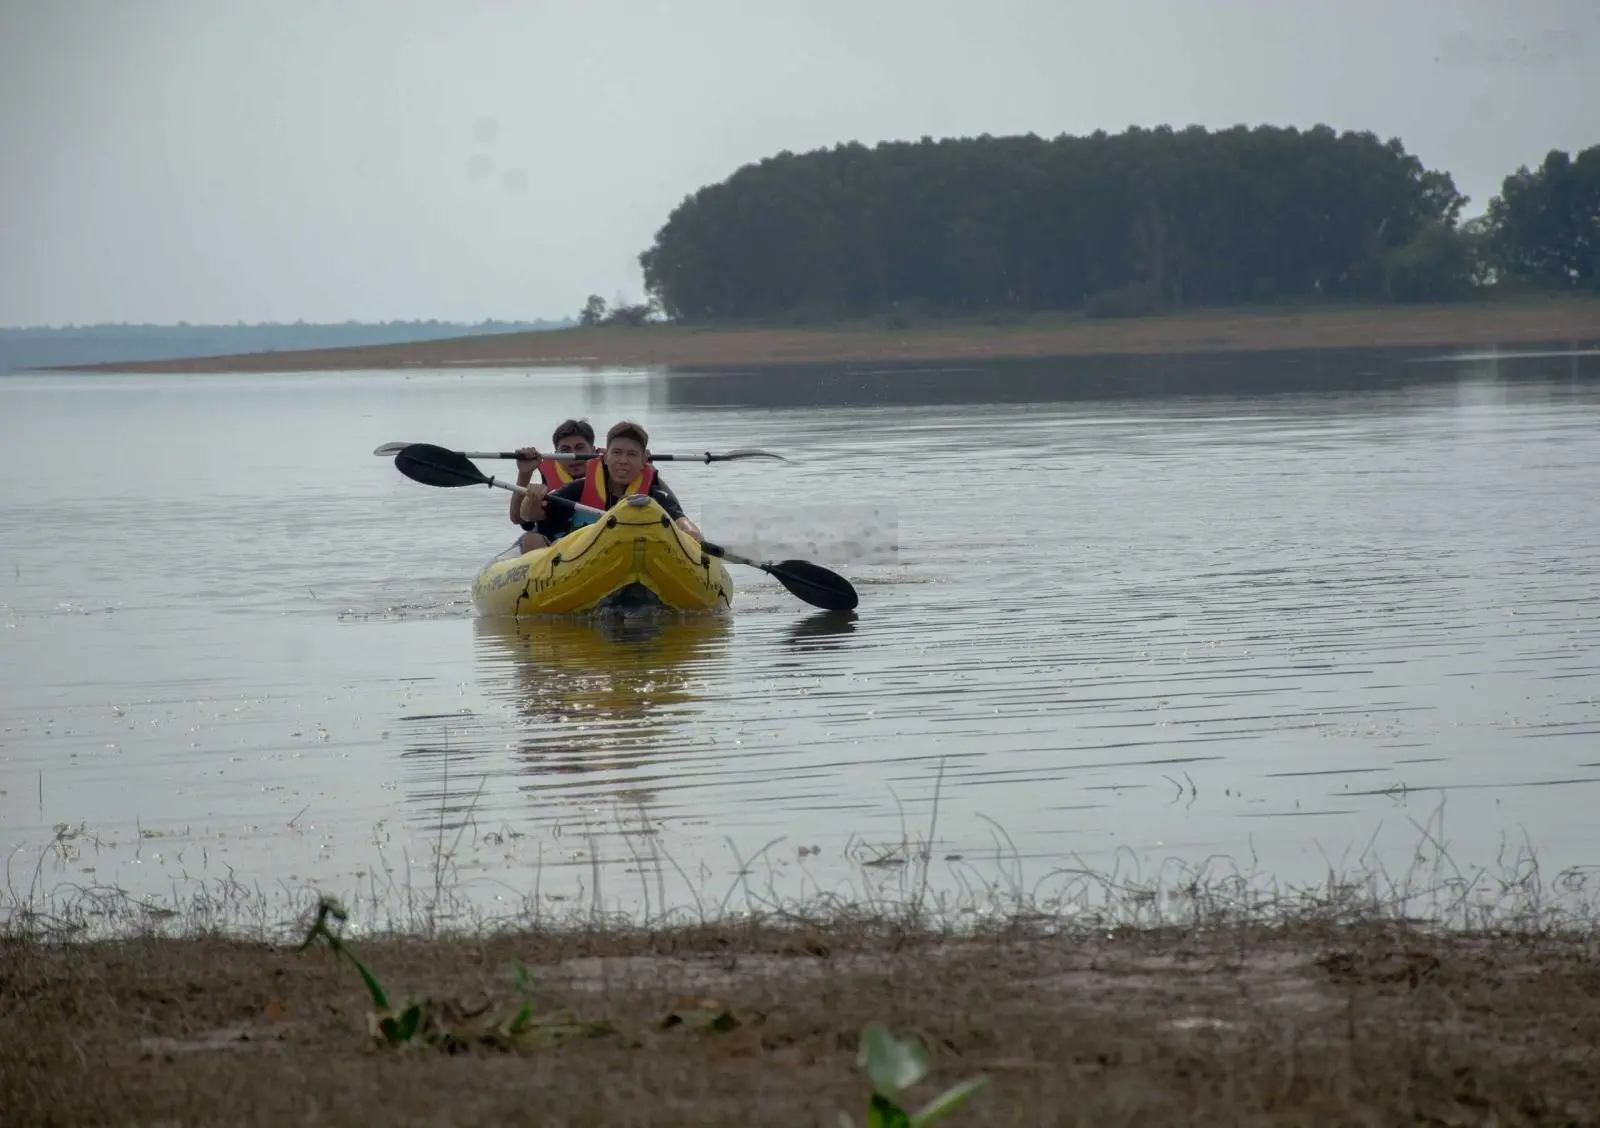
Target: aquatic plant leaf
x,y
723,1022
326,907
947,1101
519,1021
383,1027
700,1014
407,1026
374,988
884,1113
892,1065
319,927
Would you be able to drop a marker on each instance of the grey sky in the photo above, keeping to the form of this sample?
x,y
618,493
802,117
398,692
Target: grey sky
x,y
223,160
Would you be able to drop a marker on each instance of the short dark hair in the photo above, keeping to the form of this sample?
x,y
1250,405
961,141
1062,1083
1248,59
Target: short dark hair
x,y
629,430
574,427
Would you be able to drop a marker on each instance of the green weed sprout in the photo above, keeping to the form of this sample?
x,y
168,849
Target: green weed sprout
x,y
443,1023
894,1066
394,1030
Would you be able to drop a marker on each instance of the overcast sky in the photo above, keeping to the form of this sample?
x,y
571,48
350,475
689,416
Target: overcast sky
x,y
258,160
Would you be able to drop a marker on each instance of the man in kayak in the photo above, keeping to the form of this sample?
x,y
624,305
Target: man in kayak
x,y
622,469
574,436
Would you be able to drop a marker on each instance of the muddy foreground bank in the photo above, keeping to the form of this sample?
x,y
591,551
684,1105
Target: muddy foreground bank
x,y
1296,1024
1504,324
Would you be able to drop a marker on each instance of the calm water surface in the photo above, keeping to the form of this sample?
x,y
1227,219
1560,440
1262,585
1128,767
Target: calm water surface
x,y
1281,611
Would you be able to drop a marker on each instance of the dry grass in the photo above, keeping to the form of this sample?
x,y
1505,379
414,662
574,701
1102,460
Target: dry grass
x,y
1436,997
1508,323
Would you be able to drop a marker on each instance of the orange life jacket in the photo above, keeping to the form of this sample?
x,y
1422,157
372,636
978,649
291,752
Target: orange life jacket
x,y
555,474
594,483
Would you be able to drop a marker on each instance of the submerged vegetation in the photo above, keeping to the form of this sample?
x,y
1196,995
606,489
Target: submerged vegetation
x,y
1112,225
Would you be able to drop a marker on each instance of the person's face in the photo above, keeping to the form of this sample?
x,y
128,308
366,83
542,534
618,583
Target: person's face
x,y
573,444
624,460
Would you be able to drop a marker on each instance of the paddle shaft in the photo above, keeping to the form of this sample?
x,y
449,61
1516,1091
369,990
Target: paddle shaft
x,y
563,456
388,449
522,491
436,466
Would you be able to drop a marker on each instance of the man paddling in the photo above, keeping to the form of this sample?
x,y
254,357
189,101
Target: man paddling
x,y
622,469
574,436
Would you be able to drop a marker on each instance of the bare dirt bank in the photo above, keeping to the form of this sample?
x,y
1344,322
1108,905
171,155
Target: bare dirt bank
x,y
1299,1025
1499,323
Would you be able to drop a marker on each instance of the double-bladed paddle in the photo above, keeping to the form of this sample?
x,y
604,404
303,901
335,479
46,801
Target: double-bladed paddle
x,y
561,456
435,466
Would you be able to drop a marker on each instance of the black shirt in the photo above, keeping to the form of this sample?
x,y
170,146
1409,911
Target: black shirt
x,y
557,520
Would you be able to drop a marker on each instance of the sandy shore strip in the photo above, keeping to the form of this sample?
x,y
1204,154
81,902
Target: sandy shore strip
x,y
1565,321
1443,994
1297,1024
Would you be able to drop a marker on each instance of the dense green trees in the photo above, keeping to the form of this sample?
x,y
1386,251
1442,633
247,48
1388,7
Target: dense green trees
x,y
1131,223
1545,224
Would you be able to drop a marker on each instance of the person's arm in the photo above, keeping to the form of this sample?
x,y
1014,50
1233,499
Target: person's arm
x,y
669,501
530,506
527,463
551,521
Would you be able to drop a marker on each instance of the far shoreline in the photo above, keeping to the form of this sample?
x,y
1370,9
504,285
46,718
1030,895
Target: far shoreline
x,y
1504,323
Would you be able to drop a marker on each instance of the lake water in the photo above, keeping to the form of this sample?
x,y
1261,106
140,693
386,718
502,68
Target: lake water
x,y
1280,612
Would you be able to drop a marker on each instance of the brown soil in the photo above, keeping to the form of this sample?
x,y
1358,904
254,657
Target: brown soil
x,y
1358,1025
1390,326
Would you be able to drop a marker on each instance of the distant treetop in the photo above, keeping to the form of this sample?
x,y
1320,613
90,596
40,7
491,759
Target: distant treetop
x,y
1115,224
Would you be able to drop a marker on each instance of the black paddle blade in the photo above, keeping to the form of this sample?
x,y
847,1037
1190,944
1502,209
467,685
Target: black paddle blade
x,y
746,452
434,466
814,584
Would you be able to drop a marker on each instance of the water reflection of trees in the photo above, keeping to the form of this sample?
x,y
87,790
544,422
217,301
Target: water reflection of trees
x,y
598,694
1325,380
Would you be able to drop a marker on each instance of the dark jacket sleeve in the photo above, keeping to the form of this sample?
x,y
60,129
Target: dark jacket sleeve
x,y
557,520
666,498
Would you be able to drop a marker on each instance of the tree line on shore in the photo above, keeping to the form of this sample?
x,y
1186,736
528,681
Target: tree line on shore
x,y
1113,225
46,346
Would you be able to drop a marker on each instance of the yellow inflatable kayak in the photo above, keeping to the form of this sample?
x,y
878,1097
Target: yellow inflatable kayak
x,y
634,556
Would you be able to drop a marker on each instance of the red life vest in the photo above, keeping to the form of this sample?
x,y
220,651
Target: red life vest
x,y
555,474
594,487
